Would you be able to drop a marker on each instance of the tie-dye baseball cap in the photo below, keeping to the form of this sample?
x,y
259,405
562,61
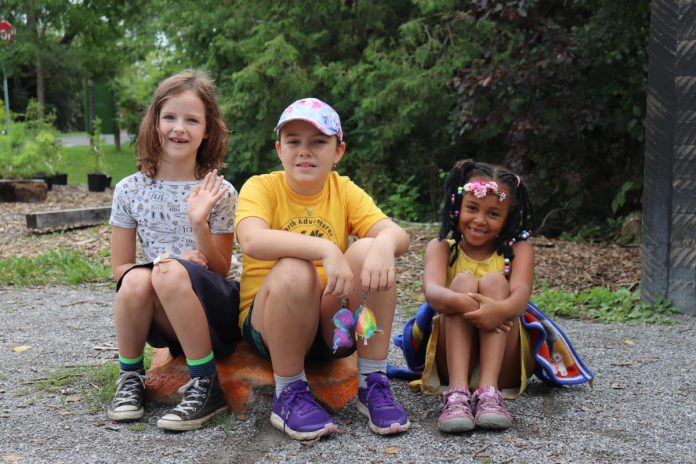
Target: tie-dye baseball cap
x,y
315,112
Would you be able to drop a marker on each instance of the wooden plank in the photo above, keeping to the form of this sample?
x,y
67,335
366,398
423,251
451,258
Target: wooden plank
x,y
68,218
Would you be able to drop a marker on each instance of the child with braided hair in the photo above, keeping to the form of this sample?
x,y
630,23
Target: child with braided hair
x,y
479,281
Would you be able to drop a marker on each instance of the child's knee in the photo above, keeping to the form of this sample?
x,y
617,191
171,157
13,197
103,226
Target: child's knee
x,y
492,283
291,276
169,277
136,285
464,282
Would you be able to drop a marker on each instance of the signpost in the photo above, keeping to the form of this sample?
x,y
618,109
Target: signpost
x,y
7,33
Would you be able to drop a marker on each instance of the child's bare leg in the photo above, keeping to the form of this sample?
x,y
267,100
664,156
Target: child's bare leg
x,y
183,308
286,313
459,335
487,401
492,344
458,338
382,304
202,395
375,399
135,309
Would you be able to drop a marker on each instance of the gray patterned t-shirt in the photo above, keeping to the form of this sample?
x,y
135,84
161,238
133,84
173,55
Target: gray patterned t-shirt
x,y
157,210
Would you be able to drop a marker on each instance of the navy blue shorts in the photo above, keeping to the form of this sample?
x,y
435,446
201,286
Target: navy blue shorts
x,y
220,301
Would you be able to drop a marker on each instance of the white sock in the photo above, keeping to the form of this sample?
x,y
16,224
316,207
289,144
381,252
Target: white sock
x,y
368,366
282,382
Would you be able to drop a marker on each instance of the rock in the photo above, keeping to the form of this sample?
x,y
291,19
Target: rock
x,y
632,228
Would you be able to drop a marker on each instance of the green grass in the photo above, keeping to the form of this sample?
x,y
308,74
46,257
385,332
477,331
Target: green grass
x,y
226,421
597,305
62,267
606,306
78,161
95,384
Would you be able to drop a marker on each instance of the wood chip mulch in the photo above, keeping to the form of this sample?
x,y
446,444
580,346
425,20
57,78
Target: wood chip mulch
x,y
569,266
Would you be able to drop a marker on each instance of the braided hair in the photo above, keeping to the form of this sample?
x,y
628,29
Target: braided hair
x,y
519,219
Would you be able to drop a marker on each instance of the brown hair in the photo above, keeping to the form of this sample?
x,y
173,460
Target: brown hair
x,y
211,152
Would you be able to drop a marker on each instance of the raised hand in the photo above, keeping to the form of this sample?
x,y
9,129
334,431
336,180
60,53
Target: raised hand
x,y
203,197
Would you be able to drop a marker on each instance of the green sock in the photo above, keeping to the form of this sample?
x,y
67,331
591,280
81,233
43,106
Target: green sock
x,y
132,364
203,367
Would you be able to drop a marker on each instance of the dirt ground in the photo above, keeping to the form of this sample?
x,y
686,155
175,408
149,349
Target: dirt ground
x,y
570,266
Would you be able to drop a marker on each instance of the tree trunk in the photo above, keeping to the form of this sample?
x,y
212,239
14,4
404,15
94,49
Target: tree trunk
x,y
40,86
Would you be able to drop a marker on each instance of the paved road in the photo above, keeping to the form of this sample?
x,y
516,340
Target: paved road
x,y
642,407
81,140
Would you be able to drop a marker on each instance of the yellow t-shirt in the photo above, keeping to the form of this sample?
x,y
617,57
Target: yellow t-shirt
x,y
494,263
340,210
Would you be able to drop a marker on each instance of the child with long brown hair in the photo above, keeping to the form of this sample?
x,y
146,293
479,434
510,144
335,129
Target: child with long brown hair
x,y
183,213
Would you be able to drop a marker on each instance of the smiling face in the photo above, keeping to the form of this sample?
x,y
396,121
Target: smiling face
x,y
481,220
307,156
182,128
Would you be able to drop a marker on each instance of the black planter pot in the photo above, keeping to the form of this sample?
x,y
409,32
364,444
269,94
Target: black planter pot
x,y
97,182
60,179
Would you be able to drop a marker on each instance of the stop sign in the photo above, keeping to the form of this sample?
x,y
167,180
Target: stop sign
x,y
7,32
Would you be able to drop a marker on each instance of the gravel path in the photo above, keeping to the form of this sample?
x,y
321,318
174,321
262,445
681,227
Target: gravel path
x,y
642,407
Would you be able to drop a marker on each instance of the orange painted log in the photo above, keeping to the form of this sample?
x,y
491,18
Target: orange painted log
x,y
333,383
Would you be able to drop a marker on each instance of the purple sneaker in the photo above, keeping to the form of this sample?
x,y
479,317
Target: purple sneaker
x,y
377,403
490,409
456,413
296,413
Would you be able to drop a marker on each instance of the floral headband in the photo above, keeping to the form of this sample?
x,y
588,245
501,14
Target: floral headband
x,y
480,189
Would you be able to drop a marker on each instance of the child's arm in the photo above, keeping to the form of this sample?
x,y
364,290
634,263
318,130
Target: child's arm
x,y
215,248
122,250
378,272
440,297
493,313
261,242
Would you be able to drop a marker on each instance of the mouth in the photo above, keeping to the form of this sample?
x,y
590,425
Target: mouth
x,y
177,140
305,165
477,232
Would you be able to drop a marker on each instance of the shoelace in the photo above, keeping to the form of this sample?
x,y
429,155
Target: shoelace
x,y
381,393
127,387
457,402
194,392
301,397
491,402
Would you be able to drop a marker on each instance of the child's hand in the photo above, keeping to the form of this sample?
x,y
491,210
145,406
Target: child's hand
x,y
203,197
378,273
491,315
339,276
195,256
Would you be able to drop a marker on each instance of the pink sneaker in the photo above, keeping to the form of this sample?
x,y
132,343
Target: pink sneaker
x,y
487,402
456,413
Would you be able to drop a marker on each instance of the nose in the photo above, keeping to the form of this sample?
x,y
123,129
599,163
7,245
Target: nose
x,y
178,126
480,218
304,151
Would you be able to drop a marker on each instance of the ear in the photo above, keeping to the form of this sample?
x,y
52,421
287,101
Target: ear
x,y
340,151
277,147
